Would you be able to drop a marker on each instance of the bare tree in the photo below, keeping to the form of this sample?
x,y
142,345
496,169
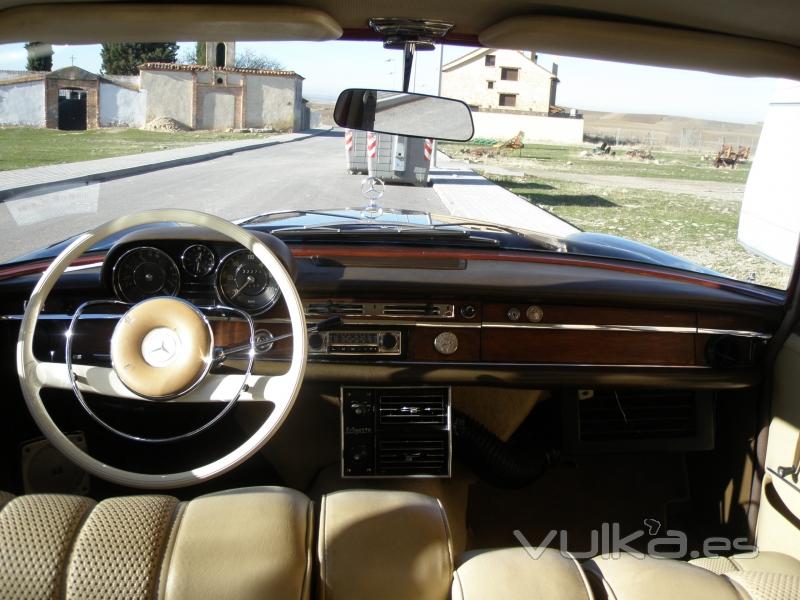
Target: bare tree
x,y
252,60
188,55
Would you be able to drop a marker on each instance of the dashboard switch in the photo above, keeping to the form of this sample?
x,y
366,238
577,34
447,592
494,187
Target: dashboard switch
x,y
513,314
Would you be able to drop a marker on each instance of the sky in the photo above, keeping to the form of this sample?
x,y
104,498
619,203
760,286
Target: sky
x,y
329,67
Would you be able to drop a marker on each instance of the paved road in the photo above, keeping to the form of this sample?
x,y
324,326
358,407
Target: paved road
x,y
308,174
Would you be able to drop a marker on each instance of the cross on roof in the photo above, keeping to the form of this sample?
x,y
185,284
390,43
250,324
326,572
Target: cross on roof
x,y
72,60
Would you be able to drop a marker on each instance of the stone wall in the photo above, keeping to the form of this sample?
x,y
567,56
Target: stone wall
x,y
273,102
121,106
22,104
169,94
501,126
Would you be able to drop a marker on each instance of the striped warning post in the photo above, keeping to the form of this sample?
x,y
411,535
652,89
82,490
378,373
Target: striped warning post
x,y
427,148
372,145
348,140
372,152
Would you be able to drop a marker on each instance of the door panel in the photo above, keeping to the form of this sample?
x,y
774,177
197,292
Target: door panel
x,y
779,512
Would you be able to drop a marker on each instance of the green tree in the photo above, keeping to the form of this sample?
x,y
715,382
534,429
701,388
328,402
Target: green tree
x,y
40,56
124,59
200,53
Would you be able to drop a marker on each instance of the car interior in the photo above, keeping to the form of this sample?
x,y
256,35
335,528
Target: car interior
x,y
397,421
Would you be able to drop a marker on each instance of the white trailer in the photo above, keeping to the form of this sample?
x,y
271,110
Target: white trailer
x,y
769,222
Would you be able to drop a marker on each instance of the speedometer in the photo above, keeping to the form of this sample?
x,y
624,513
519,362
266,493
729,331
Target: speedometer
x,y
145,272
245,282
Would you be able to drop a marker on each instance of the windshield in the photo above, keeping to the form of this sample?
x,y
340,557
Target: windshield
x,y
675,168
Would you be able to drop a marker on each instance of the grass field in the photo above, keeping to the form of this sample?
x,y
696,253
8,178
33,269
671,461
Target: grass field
x,y
24,147
667,165
698,229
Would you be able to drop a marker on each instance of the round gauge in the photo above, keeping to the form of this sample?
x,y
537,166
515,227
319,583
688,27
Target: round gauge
x,y
145,272
198,260
246,283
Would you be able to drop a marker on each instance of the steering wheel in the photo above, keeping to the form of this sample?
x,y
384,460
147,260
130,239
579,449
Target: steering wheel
x,y
185,379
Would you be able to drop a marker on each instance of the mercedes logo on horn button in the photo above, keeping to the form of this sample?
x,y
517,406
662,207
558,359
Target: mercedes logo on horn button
x,y
160,346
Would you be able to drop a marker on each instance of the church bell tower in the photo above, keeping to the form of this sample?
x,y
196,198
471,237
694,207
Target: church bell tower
x,y
220,54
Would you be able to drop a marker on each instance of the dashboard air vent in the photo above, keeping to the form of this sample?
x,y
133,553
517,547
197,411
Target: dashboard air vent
x,y
442,311
320,309
398,457
420,409
618,417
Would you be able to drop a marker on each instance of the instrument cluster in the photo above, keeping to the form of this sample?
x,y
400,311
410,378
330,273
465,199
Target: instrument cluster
x,y
216,274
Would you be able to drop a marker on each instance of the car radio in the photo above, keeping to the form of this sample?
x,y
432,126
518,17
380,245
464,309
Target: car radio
x,y
344,342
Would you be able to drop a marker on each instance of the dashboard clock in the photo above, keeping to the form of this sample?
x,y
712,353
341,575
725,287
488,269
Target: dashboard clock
x,y
198,260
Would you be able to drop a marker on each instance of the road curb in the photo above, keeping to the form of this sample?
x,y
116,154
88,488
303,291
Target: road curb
x,y
9,193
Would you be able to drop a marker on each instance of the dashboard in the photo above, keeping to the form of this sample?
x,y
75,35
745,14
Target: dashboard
x,y
437,316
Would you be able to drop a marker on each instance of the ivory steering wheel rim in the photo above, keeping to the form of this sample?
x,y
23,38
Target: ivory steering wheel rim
x,y
282,390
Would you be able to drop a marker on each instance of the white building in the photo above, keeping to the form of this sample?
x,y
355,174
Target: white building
x,y
510,92
216,95
203,97
501,79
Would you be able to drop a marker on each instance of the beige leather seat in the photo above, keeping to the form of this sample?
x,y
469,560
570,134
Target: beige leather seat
x,y
387,545
767,576
391,545
511,573
244,544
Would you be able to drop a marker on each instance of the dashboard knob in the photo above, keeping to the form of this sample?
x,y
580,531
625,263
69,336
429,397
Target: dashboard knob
x,y
389,341
446,343
534,314
316,341
468,311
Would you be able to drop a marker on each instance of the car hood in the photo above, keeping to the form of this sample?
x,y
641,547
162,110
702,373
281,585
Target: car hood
x,y
592,244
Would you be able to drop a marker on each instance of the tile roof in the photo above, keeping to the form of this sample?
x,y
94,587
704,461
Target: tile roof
x,y
194,68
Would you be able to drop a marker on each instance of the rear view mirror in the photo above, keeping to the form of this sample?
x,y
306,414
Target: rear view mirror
x,y
400,113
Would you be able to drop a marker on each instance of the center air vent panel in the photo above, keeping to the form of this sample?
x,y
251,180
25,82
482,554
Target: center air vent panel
x,y
395,432
419,409
324,309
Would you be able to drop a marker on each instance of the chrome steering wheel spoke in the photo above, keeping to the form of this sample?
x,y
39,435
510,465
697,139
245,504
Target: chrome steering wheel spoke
x,y
234,398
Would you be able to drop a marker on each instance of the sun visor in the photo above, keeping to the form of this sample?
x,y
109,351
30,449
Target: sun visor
x,y
94,23
645,44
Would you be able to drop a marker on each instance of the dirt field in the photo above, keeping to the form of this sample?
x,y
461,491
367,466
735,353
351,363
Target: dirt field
x,y
669,131
677,202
